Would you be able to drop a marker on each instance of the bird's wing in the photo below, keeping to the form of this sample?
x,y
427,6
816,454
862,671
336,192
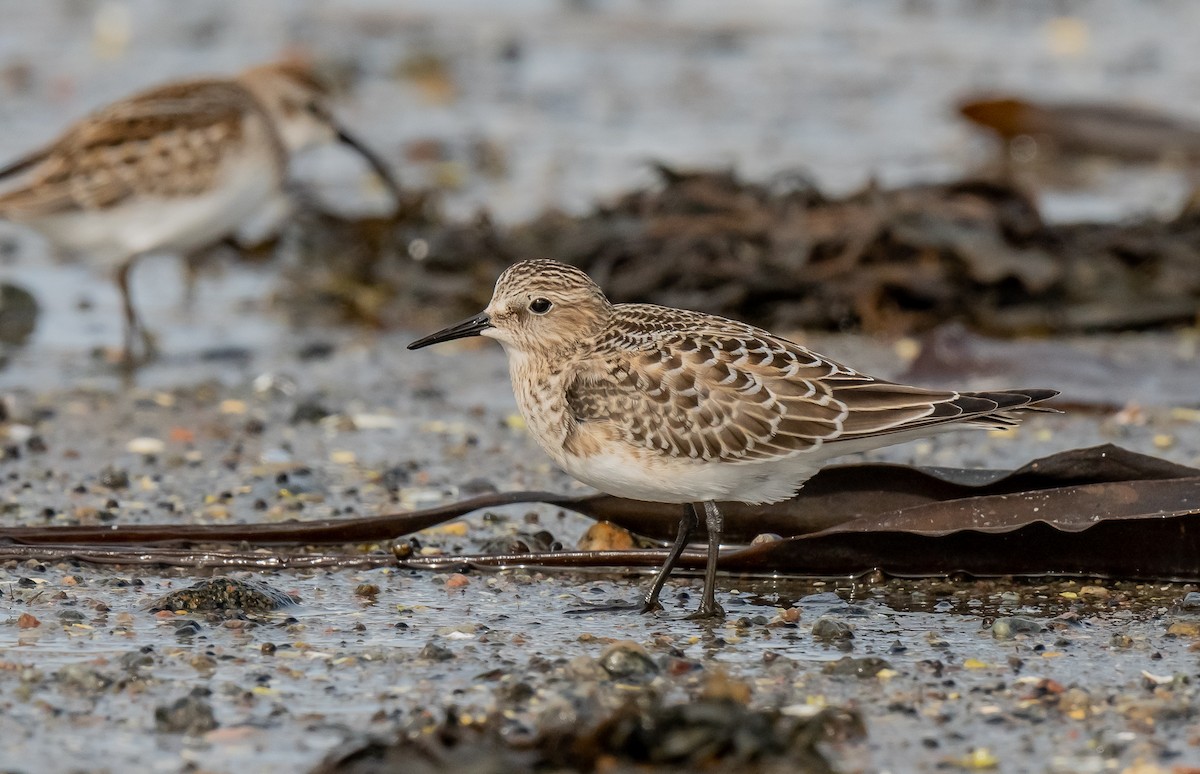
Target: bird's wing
x,y
165,142
704,387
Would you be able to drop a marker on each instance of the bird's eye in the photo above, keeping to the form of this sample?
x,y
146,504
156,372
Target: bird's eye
x,y
540,305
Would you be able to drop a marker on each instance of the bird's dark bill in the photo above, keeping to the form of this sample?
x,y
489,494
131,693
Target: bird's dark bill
x,y
376,163
472,327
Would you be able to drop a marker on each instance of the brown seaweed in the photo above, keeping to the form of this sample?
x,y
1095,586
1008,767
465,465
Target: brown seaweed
x,y
1097,511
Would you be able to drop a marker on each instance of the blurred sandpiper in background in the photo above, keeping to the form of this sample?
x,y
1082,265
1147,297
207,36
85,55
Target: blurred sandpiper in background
x,y
515,108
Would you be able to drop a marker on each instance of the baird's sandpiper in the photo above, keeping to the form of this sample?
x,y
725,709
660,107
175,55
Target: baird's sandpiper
x,y
668,405
173,169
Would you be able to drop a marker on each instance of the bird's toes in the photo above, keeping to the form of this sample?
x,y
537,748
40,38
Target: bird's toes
x,y
707,611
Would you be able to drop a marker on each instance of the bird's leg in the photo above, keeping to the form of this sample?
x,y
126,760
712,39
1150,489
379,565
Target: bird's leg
x,y
133,323
709,608
687,523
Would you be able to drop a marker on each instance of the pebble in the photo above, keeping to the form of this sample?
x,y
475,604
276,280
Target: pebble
x,y
135,659
225,595
627,659
145,446
82,678
1010,626
114,478
867,666
309,411
434,652
189,715
366,590
827,629
1184,629
606,536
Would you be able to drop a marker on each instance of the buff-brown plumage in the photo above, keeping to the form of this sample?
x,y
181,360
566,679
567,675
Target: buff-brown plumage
x,y
175,168
679,386
670,405
691,385
167,142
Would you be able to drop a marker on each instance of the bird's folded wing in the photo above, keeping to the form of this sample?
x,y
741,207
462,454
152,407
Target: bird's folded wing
x,y
164,142
747,396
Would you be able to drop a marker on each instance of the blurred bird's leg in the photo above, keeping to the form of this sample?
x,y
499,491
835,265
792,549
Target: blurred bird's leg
x,y
135,331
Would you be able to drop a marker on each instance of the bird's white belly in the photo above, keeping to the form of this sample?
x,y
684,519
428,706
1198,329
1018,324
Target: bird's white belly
x,y
151,223
667,480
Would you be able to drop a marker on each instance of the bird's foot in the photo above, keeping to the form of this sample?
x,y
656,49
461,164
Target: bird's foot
x,y
650,605
136,354
708,609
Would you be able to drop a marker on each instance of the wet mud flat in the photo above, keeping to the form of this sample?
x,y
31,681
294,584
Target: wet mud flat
x,y
244,420
487,667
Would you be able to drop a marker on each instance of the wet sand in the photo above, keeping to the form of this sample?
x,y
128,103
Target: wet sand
x,y
247,418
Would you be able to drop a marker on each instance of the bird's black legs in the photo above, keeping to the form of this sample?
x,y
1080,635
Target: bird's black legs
x,y
708,601
134,330
687,523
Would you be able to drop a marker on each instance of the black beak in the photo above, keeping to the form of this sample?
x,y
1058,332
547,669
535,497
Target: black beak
x,y
376,163
472,327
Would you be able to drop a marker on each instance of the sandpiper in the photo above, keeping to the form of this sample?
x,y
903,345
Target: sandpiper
x,y
173,169
669,405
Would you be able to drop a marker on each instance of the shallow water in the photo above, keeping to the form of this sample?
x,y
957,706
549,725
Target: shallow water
x,y
572,99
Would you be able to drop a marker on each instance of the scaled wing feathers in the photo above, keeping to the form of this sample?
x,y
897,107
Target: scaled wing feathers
x,y
703,387
164,141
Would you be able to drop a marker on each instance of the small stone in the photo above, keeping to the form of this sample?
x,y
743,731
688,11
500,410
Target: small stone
x,y
135,659
189,715
1009,627
230,596
27,621
232,406
366,590
827,629
606,536
719,686
309,411
1191,601
145,446
434,652
1184,629
457,581
114,478
476,486
627,659
186,627
82,678
980,758
867,666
